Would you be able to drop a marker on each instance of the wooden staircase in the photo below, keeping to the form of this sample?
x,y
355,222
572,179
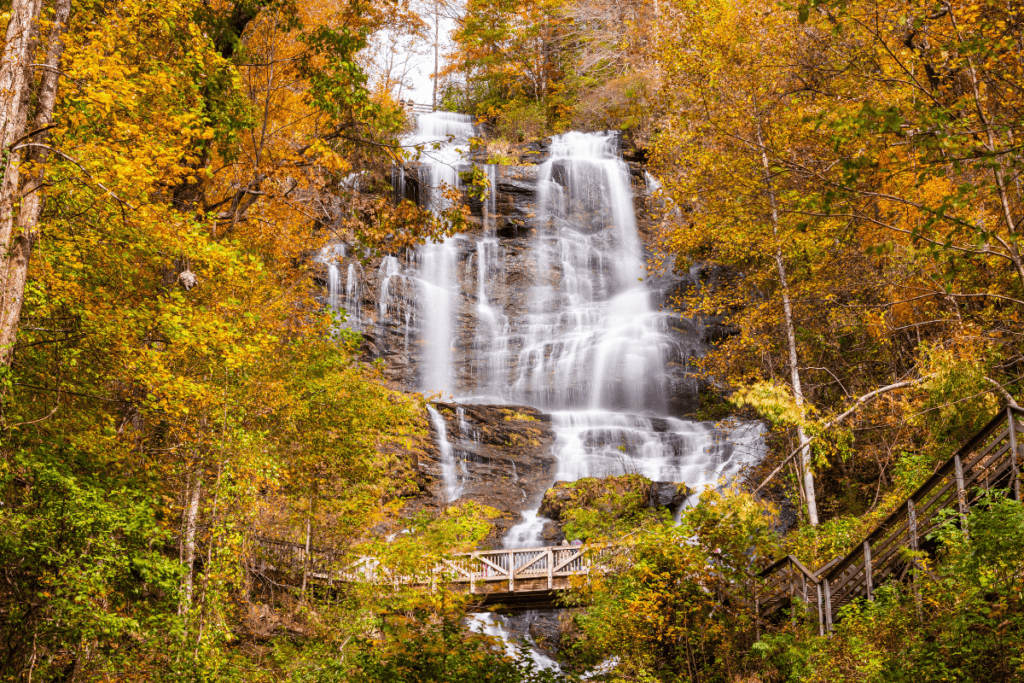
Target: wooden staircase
x,y
989,461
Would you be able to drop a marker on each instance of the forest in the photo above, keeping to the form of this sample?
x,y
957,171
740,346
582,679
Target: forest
x,y
836,184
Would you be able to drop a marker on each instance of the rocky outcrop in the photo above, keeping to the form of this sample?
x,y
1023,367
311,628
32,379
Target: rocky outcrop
x,y
614,496
503,456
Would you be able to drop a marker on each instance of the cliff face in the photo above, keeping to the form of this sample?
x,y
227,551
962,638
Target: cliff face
x,y
500,455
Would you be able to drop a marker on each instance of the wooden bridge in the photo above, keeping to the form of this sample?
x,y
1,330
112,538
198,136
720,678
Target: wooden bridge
x,y
989,461
415,108
507,579
530,578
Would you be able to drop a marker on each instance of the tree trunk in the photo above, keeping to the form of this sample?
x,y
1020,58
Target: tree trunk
x,y
19,44
437,47
787,309
189,542
19,242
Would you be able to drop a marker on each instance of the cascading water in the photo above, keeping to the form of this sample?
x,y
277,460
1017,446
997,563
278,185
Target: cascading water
x,y
593,350
449,468
589,347
329,256
444,137
494,625
352,297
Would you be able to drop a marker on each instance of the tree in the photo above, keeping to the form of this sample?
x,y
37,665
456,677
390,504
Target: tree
x,y
30,92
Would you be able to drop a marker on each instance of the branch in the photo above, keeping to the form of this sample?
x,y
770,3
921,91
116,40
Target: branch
x,y
81,168
842,416
1002,390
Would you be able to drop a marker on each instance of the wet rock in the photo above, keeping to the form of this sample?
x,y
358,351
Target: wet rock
x,y
552,534
557,499
503,454
616,496
668,494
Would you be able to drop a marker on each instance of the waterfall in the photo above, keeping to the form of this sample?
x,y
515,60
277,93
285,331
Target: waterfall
x,y
437,261
449,470
329,256
586,344
593,348
582,339
592,339
352,297
494,625
332,286
389,268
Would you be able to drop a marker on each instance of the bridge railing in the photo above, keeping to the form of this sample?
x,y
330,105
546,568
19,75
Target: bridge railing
x,y
990,460
533,568
511,565
415,108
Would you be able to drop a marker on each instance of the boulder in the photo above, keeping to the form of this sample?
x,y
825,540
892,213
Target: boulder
x,y
668,494
612,495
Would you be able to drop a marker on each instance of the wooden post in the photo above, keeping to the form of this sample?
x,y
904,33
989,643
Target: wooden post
x,y
828,605
757,608
912,524
961,492
821,616
305,558
867,571
1014,469
551,568
511,573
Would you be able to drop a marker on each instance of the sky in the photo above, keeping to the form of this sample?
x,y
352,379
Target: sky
x,y
419,60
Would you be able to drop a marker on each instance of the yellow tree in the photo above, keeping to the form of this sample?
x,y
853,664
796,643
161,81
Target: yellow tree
x,y
736,110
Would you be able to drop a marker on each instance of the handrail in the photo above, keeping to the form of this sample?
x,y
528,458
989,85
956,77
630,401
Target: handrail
x,y
991,456
415,107
537,568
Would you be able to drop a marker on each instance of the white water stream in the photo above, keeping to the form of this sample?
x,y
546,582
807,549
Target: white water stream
x,y
587,346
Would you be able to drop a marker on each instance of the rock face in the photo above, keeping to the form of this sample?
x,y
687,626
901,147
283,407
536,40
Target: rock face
x,y
505,463
614,496
502,455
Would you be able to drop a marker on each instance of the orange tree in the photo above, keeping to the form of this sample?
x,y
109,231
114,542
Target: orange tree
x,y
672,602
835,235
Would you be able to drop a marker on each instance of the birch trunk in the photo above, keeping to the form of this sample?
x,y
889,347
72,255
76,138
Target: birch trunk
x,y
189,545
787,310
19,44
19,241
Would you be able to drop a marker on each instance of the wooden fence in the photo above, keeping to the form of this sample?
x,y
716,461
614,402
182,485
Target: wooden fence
x,y
990,460
414,108
524,569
